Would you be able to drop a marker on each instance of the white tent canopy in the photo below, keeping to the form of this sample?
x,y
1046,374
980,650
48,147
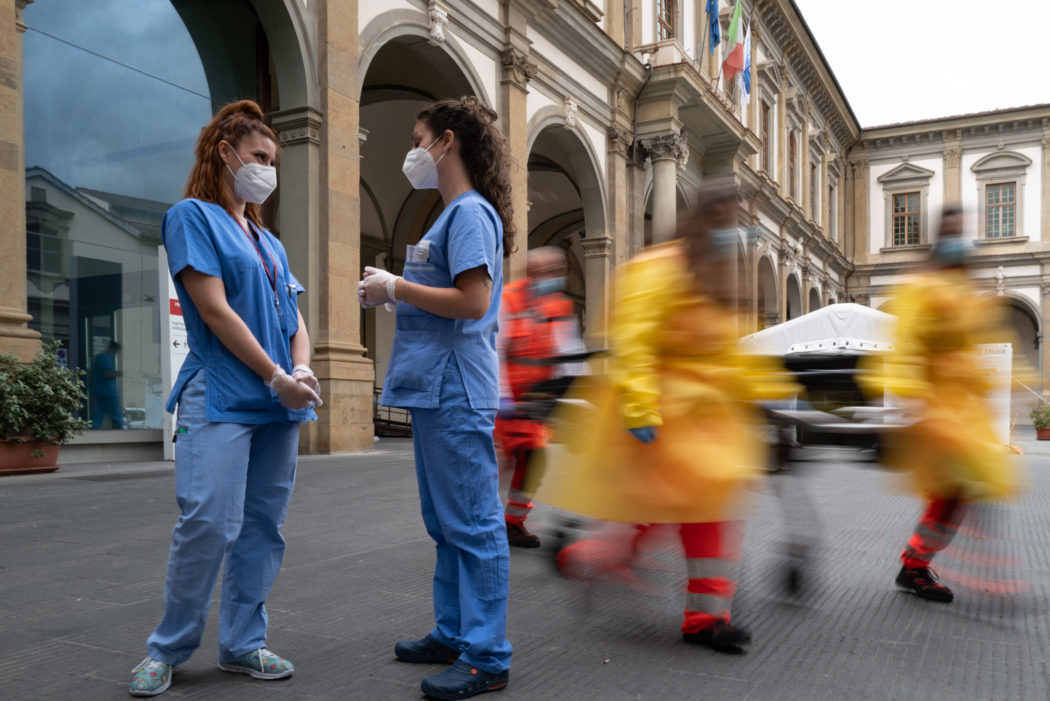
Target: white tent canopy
x,y
836,328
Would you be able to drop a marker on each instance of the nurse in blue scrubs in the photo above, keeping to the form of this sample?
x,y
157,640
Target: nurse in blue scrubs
x,y
241,394
444,369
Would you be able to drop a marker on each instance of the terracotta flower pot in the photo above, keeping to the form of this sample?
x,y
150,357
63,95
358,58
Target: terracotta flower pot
x,y
19,458
1043,434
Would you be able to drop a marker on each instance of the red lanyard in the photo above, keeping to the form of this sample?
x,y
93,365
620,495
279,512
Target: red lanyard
x,y
271,278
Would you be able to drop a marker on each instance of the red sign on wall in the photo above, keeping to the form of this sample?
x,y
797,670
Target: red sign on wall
x,y
174,307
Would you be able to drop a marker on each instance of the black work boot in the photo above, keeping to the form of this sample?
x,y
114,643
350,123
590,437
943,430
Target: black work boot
x,y
519,536
426,650
922,581
461,681
721,637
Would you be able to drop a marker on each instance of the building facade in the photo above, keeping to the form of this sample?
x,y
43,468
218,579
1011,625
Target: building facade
x,y
616,111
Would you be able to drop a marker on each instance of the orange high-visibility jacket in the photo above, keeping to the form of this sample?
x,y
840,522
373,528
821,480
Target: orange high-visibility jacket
x,y
533,328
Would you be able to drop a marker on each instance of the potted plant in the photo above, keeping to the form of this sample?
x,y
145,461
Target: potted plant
x,y
1040,416
38,405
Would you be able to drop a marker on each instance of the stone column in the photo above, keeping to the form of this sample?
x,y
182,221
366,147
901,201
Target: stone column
x,y
782,136
861,217
15,336
516,73
665,151
782,280
804,179
823,217
617,216
597,257
952,170
347,377
1045,197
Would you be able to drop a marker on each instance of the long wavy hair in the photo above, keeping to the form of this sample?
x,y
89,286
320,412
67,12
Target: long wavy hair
x,y
232,123
483,151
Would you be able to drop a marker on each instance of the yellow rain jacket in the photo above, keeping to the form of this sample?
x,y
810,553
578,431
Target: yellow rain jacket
x,y
675,365
952,449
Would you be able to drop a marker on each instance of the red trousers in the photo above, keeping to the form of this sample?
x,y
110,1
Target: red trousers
x,y
934,532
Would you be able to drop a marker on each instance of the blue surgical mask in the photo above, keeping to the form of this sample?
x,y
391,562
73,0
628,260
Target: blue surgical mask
x,y
547,286
951,251
724,242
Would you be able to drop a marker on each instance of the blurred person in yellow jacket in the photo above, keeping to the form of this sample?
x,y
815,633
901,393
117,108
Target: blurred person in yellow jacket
x,y
672,435
950,451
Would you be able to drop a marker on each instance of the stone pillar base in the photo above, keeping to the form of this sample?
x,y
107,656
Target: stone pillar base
x,y
15,337
345,421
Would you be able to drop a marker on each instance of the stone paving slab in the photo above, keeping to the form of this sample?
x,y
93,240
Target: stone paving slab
x,y
82,554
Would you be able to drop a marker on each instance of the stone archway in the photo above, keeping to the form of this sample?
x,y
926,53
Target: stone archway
x,y
814,299
567,210
401,77
794,298
767,306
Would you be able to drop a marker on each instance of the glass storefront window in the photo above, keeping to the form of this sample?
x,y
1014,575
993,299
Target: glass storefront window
x,y
115,95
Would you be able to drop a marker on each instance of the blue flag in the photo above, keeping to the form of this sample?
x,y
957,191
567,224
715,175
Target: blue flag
x,y
716,28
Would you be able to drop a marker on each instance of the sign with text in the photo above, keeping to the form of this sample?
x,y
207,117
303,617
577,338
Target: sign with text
x,y
172,341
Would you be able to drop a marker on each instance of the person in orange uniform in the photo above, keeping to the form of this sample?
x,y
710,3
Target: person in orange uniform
x,y
950,452
537,323
670,435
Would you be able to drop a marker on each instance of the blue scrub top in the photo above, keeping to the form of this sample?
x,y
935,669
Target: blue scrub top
x,y
205,237
468,234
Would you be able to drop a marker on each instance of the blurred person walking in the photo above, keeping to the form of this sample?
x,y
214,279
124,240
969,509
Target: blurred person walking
x,y
444,369
950,452
537,324
674,439
241,394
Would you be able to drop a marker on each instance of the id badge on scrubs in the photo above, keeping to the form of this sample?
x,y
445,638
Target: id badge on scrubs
x,y
418,254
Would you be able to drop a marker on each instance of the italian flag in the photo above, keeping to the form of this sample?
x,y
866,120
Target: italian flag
x,y
734,62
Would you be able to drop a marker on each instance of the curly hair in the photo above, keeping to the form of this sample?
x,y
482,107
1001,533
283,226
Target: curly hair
x,y
232,123
483,151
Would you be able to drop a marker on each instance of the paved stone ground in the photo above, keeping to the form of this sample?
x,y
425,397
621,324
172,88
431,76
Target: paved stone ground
x,y
82,555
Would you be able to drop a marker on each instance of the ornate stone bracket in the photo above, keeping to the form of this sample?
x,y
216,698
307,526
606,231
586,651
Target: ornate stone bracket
x,y
516,67
619,140
1000,281
438,18
569,110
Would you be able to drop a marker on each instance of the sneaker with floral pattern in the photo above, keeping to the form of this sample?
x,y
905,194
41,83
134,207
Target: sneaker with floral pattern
x,y
261,664
150,677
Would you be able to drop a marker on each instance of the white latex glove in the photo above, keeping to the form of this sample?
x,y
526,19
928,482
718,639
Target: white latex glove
x,y
291,393
377,287
302,373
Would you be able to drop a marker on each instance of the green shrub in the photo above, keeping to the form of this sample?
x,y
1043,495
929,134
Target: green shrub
x,y
39,399
1040,413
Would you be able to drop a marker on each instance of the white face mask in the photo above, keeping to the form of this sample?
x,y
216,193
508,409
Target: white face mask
x,y
421,169
253,182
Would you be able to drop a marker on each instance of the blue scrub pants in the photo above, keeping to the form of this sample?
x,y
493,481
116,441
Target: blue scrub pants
x,y
462,511
107,406
232,483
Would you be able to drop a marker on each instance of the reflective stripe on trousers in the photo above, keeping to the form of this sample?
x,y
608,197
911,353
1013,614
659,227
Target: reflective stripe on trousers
x,y
712,552
934,532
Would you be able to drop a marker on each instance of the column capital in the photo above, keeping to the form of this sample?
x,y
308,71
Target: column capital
x,y
20,5
596,247
667,147
516,68
298,125
619,141
952,157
